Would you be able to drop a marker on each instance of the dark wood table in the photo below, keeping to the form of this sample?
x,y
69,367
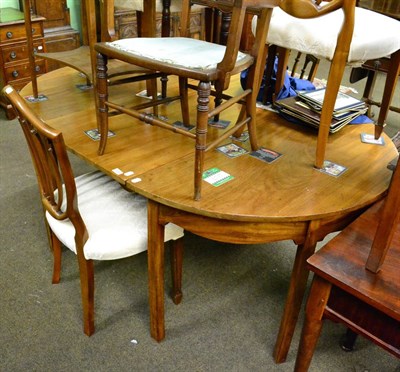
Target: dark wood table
x,y
286,199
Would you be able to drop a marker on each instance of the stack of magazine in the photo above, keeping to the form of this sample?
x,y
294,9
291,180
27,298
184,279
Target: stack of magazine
x,y
307,105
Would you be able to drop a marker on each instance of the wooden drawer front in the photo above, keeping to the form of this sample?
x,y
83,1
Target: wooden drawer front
x,y
22,71
17,32
18,52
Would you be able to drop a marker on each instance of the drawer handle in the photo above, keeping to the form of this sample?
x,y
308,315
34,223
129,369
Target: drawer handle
x,y
9,34
13,55
33,30
37,68
15,74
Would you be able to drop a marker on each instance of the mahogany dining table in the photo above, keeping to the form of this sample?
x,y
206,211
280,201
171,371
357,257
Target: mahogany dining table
x,y
286,199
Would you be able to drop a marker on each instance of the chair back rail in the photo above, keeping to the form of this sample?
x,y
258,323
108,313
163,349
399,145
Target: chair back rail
x,y
51,163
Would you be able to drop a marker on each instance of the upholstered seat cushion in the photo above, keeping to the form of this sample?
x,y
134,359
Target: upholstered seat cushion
x,y
176,51
116,219
375,35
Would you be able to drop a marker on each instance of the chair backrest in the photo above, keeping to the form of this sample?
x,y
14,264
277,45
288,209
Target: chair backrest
x,y
53,170
95,20
388,223
238,9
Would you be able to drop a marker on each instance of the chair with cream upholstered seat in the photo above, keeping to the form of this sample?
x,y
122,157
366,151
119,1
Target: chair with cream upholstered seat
x,y
83,59
92,214
201,61
374,36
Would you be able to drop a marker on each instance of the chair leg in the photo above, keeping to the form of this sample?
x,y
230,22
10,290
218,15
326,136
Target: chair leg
x,y
56,248
390,86
166,19
295,64
283,57
314,66
349,340
217,102
203,100
268,88
183,92
176,270
152,92
102,96
369,87
139,23
87,292
164,81
316,303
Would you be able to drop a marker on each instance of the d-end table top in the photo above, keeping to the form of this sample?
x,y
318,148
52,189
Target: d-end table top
x,y
288,189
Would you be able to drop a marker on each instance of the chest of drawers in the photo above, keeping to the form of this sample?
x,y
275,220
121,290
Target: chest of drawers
x,y
14,58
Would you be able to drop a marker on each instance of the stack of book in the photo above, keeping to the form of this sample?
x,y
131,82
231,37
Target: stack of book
x,y
307,105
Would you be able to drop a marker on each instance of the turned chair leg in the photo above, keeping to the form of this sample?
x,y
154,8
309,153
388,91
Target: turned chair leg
x,y
203,100
164,83
102,96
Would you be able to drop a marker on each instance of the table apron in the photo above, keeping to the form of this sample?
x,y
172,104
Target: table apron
x,y
250,232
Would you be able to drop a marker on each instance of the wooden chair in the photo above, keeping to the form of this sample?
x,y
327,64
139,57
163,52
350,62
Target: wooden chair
x,y
187,58
341,37
353,283
92,214
83,59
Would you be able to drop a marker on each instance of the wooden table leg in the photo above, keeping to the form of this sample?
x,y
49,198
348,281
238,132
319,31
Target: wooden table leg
x,y
155,257
176,270
297,287
316,303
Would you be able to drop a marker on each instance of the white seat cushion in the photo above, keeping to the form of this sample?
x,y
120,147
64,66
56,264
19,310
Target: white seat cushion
x,y
116,220
176,51
375,35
